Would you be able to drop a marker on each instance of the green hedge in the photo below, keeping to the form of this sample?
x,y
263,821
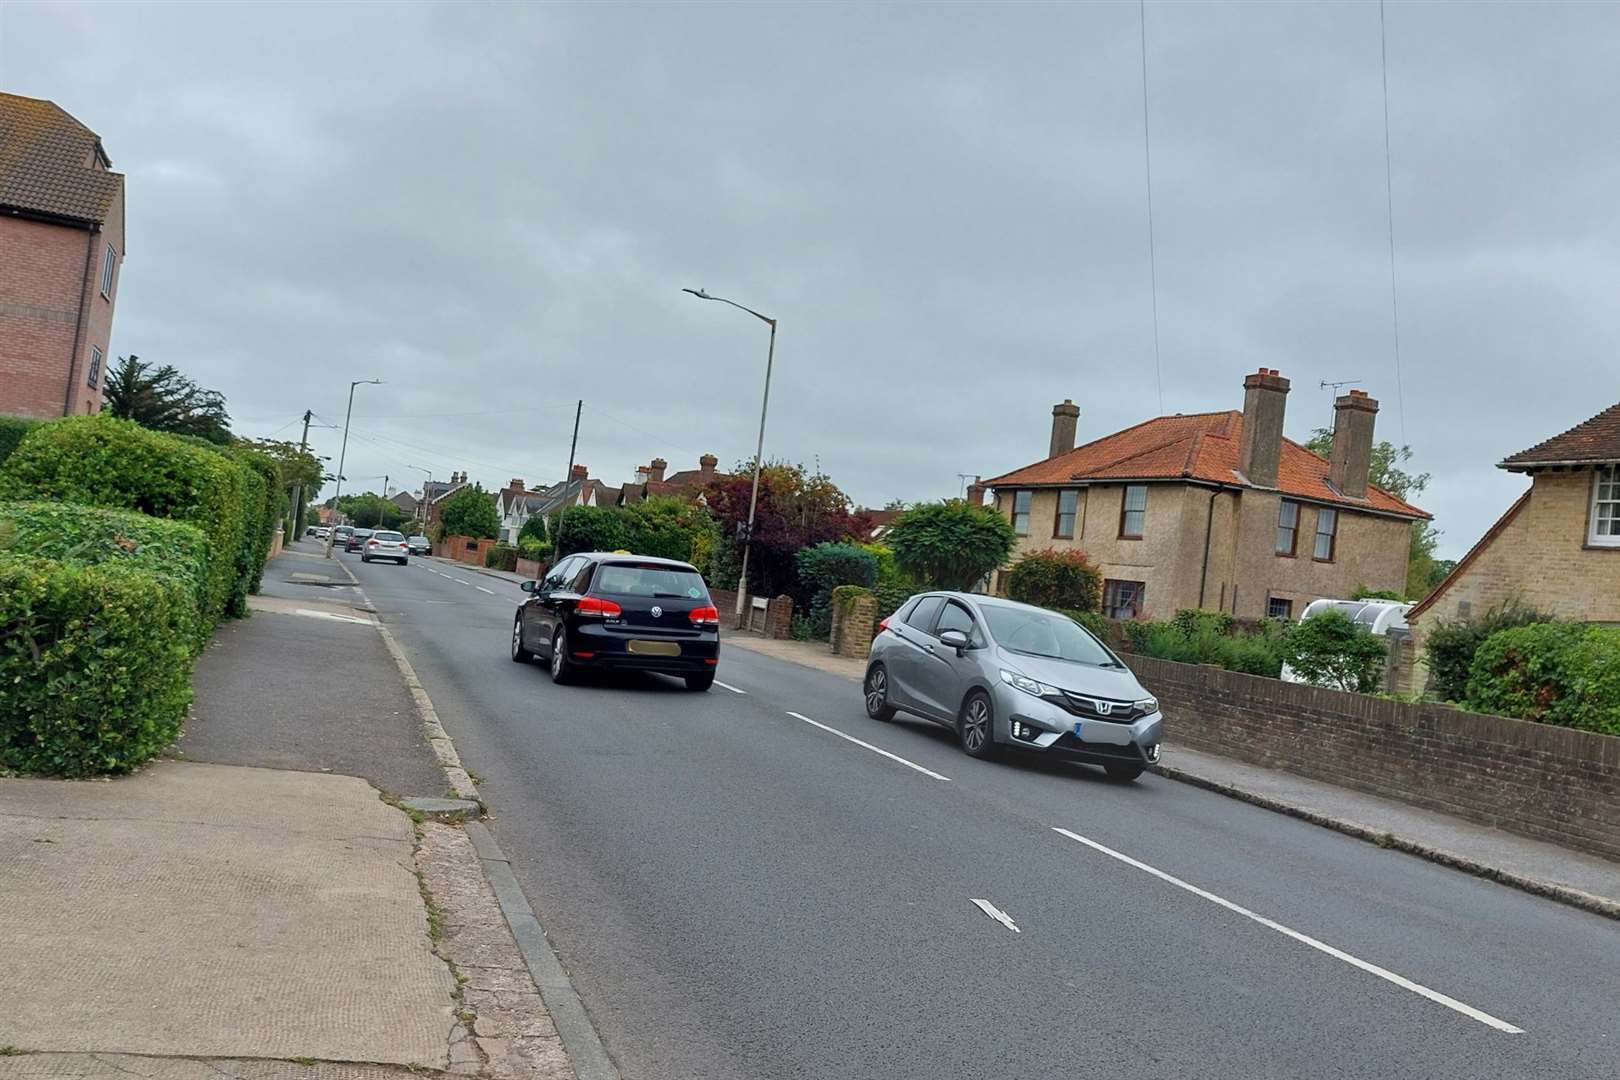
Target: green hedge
x,y
1450,646
501,557
1553,673
102,461
1205,638
263,508
86,535
1056,579
12,430
95,665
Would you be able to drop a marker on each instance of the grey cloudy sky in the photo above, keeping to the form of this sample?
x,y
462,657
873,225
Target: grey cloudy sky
x,y
493,207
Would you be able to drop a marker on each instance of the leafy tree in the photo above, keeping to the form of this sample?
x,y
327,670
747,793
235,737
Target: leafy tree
x,y
951,545
593,528
797,509
295,467
1330,650
826,567
669,527
534,528
162,399
372,511
471,512
1056,579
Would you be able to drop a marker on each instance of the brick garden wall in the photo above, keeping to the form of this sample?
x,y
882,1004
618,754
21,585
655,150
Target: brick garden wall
x,y
778,622
1549,783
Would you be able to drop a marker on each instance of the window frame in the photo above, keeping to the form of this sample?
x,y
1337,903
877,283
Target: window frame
x,y
1601,475
1287,607
1028,495
926,625
1073,514
1125,511
1332,535
973,635
92,378
1293,530
109,269
1116,584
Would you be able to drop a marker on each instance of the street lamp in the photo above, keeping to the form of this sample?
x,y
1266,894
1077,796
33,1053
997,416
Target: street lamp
x,y
344,453
759,447
425,488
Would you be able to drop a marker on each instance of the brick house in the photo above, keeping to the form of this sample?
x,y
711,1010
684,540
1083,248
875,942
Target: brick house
x,y
1557,548
687,483
61,245
1214,510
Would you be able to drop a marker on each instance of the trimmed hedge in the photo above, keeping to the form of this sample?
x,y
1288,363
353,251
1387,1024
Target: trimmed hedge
x,y
1056,579
264,507
103,461
501,557
1553,673
95,665
1452,643
12,430
86,535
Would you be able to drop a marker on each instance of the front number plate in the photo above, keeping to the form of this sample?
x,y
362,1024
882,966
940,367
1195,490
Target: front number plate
x,y
654,648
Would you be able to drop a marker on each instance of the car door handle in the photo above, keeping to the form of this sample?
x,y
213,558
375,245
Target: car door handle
x,y
928,648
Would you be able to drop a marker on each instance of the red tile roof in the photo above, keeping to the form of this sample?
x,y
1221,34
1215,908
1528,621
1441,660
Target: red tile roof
x,y
1201,447
48,163
1594,440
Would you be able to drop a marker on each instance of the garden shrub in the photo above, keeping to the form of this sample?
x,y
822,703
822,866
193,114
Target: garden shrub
x,y
501,557
1329,649
1553,673
1056,579
65,532
593,528
824,568
1200,639
1191,620
95,665
533,547
107,462
951,545
1450,646
12,430
671,528
262,508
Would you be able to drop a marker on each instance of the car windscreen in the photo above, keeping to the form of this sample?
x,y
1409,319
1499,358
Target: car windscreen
x,y
421,539
387,536
1041,633
650,580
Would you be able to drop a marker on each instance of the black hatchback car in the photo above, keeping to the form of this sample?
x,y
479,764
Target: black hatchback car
x,y
632,612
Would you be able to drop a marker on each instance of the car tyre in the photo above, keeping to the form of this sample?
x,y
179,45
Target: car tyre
x,y
700,683
562,671
877,694
976,726
365,558
404,562
1121,772
520,655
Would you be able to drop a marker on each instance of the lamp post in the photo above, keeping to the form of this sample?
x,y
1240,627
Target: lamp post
x,y
344,453
425,487
759,447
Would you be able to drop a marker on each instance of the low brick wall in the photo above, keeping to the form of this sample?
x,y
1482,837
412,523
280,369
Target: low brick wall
x,y
1549,783
531,568
463,549
852,626
776,622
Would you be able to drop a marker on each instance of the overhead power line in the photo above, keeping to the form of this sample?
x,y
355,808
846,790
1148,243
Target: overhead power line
x,y
1153,255
1389,206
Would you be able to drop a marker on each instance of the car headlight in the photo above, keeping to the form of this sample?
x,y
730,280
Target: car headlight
x,y
1027,684
1147,706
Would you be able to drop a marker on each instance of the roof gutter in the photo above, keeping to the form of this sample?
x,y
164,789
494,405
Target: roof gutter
x,y
1532,466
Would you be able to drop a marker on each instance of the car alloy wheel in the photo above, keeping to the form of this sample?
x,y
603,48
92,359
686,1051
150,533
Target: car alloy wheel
x,y
562,671
877,694
520,655
977,726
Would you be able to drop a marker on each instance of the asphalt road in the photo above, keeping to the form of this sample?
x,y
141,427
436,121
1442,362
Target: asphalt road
x,y
740,893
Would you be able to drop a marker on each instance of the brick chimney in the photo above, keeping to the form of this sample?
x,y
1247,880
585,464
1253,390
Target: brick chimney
x,y
975,493
1265,397
580,472
1353,416
1065,419
655,471
706,465
514,487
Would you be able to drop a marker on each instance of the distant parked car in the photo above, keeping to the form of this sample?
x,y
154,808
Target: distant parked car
x,y
310,530
386,545
420,545
322,532
357,539
341,534
1004,675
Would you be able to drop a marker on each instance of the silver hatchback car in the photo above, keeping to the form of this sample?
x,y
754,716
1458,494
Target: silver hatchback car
x,y
1007,675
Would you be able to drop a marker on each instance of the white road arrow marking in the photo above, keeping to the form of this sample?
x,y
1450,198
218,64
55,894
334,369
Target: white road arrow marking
x,y
997,914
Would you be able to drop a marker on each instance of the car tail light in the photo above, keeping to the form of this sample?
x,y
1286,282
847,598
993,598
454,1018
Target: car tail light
x,y
595,605
371,543
705,616
884,625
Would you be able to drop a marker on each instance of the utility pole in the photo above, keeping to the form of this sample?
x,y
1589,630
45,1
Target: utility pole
x,y
298,488
568,478
343,454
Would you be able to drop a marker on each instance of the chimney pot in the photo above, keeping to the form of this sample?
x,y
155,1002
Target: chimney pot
x,y
706,465
1065,419
975,493
1351,460
1265,401
655,471
580,472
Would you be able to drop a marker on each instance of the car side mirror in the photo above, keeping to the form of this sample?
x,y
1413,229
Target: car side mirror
x,y
529,586
956,640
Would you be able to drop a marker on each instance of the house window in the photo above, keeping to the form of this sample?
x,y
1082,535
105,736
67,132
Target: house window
x,y
108,266
1133,512
1020,517
1278,608
1068,502
1123,599
1605,527
1288,528
94,378
1327,528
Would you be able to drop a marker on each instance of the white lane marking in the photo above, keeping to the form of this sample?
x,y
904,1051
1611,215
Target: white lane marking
x,y
869,746
1338,954
458,581
728,686
997,914
330,615
480,588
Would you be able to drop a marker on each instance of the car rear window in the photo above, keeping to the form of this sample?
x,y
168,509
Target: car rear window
x,y
387,536
651,580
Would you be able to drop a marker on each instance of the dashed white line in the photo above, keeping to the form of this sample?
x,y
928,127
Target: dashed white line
x,y
728,686
997,914
1338,954
480,588
869,746
458,581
